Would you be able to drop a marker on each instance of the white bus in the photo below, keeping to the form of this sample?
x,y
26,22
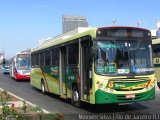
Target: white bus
x,y
20,66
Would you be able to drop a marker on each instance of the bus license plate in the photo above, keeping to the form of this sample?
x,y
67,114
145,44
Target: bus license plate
x,y
130,96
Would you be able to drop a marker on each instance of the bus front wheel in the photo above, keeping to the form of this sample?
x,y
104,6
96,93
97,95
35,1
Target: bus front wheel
x,y
75,100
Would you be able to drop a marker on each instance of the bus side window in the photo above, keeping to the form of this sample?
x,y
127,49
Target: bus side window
x,y
55,57
42,59
73,54
47,58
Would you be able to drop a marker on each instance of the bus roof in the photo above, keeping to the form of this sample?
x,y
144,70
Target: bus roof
x,y
72,35
22,53
125,27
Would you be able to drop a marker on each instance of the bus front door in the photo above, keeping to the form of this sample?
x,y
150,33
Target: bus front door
x,y
63,63
85,68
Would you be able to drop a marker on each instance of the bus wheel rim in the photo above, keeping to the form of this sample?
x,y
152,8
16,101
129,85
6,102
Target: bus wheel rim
x,y
43,89
75,96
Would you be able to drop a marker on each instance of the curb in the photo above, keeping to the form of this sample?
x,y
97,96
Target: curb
x,y
29,103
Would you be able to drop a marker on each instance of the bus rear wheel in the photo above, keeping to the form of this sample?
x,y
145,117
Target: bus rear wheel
x,y
75,99
43,87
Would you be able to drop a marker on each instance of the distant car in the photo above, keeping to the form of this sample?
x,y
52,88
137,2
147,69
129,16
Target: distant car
x,y
5,67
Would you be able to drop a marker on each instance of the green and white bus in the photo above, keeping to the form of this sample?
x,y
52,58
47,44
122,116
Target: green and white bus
x,y
96,65
156,58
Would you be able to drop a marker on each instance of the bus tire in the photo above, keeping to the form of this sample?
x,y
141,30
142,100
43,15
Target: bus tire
x,y
75,99
43,87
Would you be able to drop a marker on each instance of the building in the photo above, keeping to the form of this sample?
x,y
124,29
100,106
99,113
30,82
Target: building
x,y
158,29
72,22
156,32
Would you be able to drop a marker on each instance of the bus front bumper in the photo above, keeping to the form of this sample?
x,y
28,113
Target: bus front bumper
x,y
22,77
102,97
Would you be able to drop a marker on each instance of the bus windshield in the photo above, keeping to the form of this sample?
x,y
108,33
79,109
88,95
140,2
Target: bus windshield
x,y
123,57
23,63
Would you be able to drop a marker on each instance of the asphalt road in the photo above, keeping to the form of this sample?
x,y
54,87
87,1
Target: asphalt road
x,y
54,104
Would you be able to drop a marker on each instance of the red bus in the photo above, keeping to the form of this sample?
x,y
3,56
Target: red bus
x,y
20,66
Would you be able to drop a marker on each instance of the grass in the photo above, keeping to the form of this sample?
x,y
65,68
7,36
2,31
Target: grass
x,y
12,108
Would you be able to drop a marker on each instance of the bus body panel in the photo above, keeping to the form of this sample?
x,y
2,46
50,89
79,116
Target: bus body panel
x,y
156,62
141,88
22,76
35,77
51,81
108,98
5,69
51,75
156,58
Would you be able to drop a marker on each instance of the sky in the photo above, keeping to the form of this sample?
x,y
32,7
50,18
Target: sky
x,y
23,23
